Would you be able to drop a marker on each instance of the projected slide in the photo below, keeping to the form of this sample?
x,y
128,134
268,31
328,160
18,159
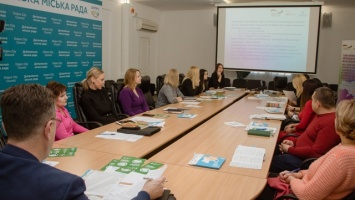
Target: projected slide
x,y
283,39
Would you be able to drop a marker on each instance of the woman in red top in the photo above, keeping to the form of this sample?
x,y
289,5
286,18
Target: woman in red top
x,y
307,113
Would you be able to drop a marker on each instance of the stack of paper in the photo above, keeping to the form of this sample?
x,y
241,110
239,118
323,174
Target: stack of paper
x,y
110,184
248,157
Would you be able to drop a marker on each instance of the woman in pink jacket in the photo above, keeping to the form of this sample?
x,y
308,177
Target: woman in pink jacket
x,y
66,126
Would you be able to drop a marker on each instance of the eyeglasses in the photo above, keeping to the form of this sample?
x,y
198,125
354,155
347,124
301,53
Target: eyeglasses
x,y
58,121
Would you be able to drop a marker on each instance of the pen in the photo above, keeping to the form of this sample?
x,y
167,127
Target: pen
x,y
107,134
295,170
150,179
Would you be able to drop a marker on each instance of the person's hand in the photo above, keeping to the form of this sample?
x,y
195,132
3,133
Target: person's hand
x,y
154,188
290,108
287,176
289,128
284,175
179,99
285,145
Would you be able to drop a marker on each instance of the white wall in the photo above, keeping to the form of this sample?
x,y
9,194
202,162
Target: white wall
x,y
330,41
187,38
111,39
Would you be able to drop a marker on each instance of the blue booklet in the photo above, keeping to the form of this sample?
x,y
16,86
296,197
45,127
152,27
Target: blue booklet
x,y
203,160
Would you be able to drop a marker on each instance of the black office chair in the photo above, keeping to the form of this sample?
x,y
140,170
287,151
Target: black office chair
x,y
239,83
115,90
289,87
280,83
145,87
159,82
181,78
227,82
3,140
254,84
271,85
108,84
81,118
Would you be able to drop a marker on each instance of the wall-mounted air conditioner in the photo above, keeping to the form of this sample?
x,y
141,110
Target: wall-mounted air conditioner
x,y
146,25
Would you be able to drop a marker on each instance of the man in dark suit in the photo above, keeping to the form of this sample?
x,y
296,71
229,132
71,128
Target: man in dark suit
x,y
28,116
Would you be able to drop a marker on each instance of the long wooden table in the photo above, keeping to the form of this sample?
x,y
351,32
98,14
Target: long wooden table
x,y
147,146
184,182
215,138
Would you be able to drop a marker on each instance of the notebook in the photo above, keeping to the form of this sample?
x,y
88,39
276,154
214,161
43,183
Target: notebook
x,y
204,160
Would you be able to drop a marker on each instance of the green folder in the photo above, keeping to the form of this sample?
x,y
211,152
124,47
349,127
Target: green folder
x,y
259,132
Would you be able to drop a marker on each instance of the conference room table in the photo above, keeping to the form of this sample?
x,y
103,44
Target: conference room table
x,y
184,182
217,139
173,129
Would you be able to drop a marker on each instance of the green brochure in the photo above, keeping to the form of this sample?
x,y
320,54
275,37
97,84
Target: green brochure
x,y
150,166
62,152
125,165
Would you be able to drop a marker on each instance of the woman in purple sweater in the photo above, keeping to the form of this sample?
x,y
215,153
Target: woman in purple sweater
x,y
66,126
131,97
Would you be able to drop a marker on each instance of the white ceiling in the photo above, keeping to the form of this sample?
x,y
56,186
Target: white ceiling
x,y
168,5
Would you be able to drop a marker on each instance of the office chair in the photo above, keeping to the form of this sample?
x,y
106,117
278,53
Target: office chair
x,y
280,82
227,82
289,87
115,90
81,118
145,87
239,83
159,82
108,84
254,84
181,78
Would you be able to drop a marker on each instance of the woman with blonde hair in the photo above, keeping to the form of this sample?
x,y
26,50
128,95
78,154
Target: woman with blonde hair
x,y
190,84
331,176
170,92
131,97
95,101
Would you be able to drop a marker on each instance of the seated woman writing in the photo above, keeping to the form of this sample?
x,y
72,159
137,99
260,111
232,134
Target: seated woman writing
x,y
170,92
331,176
66,126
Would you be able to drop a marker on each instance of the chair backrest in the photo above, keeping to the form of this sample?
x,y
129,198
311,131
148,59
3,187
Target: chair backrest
x,y
181,77
239,83
227,82
108,84
289,87
159,82
145,86
115,91
77,93
280,82
271,85
253,84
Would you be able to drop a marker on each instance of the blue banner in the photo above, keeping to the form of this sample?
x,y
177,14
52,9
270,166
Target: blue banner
x,y
46,40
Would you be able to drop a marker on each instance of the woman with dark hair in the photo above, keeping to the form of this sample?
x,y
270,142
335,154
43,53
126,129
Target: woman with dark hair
x,y
307,113
66,126
203,80
217,79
